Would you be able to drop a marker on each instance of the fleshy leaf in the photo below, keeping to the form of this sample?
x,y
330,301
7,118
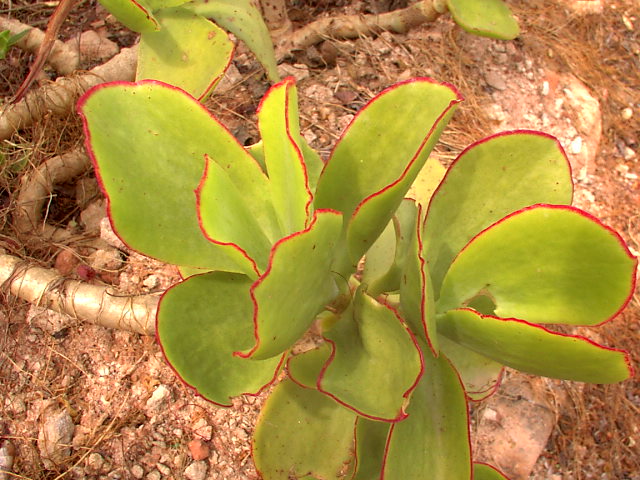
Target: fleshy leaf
x,y
480,375
387,256
188,51
533,349
305,368
544,264
380,154
282,450
375,361
416,292
136,15
489,180
482,471
371,439
277,120
201,322
427,181
227,218
243,19
488,18
135,129
433,441
299,267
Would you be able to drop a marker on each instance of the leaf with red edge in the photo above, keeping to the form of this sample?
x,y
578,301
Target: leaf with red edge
x,y
533,349
296,286
283,158
483,471
379,156
488,18
489,180
188,51
226,216
416,292
544,264
433,441
136,15
201,322
305,368
375,361
244,20
302,433
389,253
371,439
147,141
480,375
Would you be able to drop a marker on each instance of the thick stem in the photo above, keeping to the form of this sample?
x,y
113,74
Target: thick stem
x,y
91,303
354,26
63,58
60,97
37,187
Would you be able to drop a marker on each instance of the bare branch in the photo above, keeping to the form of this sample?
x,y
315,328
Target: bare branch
x,y
63,58
60,96
92,303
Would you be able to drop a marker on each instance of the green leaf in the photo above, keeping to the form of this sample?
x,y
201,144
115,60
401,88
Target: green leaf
x,y
490,179
201,322
278,123
136,15
533,349
380,154
243,19
371,439
487,18
387,256
188,51
427,181
433,441
480,375
482,471
299,268
544,264
226,216
375,362
305,368
416,291
301,432
147,141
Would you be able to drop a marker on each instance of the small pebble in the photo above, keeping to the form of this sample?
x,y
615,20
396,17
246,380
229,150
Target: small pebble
x,y
95,462
196,471
160,395
198,449
627,113
137,471
576,145
164,470
154,475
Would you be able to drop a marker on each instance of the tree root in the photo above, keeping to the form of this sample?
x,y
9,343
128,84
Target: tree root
x,y
63,58
60,96
92,303
37,188
354,26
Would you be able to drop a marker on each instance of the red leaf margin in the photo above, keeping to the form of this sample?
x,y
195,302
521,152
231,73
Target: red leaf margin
x,y
588,216
194,389
401,415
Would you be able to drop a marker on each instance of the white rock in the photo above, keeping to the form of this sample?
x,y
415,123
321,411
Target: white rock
x,y
154,475
91,216
627,113
575,146
55,437
159,396
109,260
196,471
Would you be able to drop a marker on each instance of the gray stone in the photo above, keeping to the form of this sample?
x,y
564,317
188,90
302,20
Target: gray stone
x,y
495,79
55,437
158,398
196,471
